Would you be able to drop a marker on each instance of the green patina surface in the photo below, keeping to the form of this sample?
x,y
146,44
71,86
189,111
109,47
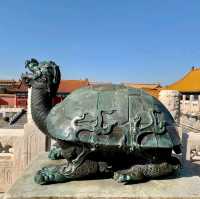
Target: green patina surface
x,y
102,130
113,116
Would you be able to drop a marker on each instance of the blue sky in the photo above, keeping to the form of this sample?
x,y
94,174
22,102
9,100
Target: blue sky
x,y
104,40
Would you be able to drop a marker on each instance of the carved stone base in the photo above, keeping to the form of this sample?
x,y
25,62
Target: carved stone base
x,y
11,159
192,145
34,142
186,186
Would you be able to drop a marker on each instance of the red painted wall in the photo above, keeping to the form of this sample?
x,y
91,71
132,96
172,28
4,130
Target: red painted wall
x,y
21,101
8,100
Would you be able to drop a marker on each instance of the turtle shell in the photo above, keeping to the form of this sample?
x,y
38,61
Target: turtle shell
x,y
113,115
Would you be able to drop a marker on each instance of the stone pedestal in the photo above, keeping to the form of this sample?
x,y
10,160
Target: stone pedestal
x,y
42,142
29,116
191,145
186,186
34,142
11,162
25,145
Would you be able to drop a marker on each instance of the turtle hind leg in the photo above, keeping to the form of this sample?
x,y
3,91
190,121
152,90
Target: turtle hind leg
x,y
148,171
133,174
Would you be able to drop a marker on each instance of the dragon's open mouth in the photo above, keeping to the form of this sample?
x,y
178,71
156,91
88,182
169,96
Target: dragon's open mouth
x,y
46,72
31,66
28,75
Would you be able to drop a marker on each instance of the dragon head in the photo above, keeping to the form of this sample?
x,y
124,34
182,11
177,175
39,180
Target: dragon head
x,y
44,75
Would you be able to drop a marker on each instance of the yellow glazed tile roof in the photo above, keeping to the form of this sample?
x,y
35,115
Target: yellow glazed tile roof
x,y
152,89
189,83
143,85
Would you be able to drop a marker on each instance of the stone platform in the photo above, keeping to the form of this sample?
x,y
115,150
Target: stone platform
x,y
186,186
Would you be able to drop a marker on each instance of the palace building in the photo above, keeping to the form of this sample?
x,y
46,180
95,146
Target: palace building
x,y
15,93
188,86
152,89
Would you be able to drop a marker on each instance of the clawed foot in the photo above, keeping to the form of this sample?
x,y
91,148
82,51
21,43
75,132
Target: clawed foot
x,y
49,175
121,177
128,175
147,171
67,172
55,153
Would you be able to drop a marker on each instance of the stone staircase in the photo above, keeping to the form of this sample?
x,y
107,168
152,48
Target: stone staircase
x,y
19,124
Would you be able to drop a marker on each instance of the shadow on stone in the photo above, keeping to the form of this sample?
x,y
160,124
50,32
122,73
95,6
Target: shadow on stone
x,y
185,186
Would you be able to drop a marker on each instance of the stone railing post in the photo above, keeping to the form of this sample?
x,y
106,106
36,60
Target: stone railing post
x,y
29,116
34,139
171,100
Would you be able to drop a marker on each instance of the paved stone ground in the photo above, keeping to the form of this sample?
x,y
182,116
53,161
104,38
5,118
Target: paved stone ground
x,y
1,195
185,186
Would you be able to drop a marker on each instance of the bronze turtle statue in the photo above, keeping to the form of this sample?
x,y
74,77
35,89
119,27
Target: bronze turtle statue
x,y
102,130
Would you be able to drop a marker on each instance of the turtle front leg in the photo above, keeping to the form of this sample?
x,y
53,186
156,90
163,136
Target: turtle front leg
x,y
147,171
55,152
63,150
77,166
66,172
